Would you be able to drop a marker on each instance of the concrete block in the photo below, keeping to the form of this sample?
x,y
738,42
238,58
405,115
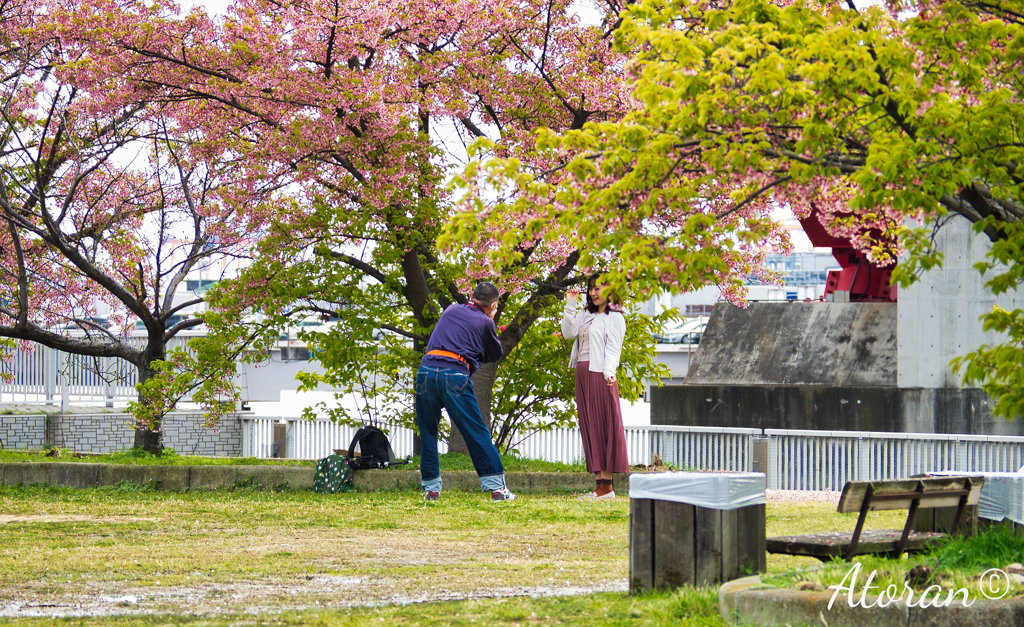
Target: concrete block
x,y
982,613
173,478
774,607
211,477
32,474
460,480
747,602
10,474
112,474
374,480
261,475
77,475
546,481
297,477
845,344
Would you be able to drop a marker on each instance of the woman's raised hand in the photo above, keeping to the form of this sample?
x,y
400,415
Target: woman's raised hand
x,y
573,293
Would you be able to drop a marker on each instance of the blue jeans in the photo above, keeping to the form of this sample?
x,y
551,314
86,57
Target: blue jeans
x,y
453,390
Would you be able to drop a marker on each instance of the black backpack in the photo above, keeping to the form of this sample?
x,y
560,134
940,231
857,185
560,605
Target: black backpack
x,y
374,449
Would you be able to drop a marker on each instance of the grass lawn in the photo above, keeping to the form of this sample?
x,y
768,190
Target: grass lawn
x,y
125,555
248,557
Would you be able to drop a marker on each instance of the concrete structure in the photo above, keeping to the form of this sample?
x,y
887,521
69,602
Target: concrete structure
x,y
939,315
831,344
748,601
848,366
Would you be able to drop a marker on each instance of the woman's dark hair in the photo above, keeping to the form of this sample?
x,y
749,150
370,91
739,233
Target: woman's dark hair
x,y
612,298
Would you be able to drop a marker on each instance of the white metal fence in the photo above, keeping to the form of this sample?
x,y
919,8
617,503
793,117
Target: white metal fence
x,y
702,448
826,460
684,447
46,375
793,460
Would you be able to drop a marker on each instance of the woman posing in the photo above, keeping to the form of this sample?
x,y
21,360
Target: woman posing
x,y
598,331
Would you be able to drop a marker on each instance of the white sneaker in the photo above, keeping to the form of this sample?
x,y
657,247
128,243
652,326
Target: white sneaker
x,y
502,495
610,495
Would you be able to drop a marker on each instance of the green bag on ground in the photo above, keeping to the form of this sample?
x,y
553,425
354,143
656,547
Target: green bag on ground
x,y
333,474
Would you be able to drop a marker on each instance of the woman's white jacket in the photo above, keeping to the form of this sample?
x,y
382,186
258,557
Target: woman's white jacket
x,y
606,335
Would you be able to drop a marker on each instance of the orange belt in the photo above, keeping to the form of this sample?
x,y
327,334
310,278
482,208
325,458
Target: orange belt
x,y
448,354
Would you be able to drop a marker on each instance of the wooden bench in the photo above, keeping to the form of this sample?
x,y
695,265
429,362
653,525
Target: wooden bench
x,y
864,496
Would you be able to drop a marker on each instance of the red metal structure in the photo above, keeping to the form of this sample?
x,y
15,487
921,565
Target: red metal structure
x,y
862,279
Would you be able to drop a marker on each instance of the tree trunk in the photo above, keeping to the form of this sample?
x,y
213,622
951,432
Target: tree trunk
x,y
148,440
148,437
483,387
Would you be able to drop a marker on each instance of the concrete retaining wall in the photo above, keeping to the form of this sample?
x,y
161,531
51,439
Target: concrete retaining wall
x,y
179,478
174,478
828,344
828,408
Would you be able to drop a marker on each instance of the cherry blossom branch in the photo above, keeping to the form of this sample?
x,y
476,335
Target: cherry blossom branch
x,y
757,194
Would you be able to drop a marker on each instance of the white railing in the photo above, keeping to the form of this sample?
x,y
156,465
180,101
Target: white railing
x,y
307,439
45,375
826,460
702,448
793,460
684,447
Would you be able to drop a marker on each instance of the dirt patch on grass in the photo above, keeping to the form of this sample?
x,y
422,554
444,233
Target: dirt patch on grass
x,y
264,597
72,554
60,518
330,569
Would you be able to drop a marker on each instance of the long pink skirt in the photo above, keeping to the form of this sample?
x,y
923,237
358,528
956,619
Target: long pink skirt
x,y
597,403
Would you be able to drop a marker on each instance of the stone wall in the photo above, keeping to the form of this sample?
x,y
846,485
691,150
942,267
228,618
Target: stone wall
x,y
107,433
21,432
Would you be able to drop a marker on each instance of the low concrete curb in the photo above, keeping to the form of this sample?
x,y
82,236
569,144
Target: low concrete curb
x,y
174,478
748,601
177,478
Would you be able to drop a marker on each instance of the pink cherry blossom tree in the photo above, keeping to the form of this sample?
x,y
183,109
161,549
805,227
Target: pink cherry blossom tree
x,y
106,203
341,105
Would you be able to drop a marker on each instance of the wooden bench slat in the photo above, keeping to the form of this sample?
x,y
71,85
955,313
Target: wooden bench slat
x,y
865,496
936,493
826,545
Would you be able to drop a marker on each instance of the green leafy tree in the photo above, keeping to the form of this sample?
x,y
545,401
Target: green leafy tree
x,y
865,115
